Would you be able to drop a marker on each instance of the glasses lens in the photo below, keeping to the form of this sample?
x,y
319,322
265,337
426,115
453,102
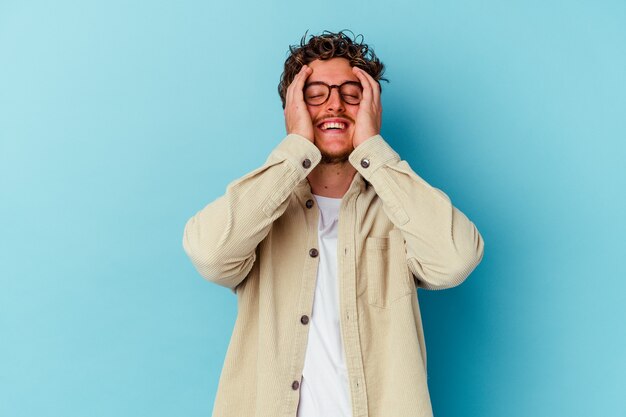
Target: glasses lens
x,y
315,94
351,93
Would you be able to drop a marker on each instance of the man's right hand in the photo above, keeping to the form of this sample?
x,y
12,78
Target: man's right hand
x,y
297,117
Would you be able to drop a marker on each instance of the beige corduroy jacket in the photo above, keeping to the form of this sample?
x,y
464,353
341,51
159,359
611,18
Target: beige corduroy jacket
x,y
396,234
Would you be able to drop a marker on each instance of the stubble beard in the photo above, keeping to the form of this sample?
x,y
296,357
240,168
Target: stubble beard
x,y
335,157
341,158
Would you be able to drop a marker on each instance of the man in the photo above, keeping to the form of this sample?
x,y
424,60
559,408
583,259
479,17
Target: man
x,y
325,246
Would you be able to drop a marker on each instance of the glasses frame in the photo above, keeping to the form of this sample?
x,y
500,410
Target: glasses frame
x,y
330,91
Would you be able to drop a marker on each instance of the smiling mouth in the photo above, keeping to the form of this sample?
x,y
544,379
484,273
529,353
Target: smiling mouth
x,y
332,126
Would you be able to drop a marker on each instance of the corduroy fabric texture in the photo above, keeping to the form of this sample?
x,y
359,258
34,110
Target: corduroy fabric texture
x,y
397,234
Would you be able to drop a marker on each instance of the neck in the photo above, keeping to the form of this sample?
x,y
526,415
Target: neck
x,y
331,180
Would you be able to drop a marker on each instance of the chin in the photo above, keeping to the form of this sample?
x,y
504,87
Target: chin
x,y
335,157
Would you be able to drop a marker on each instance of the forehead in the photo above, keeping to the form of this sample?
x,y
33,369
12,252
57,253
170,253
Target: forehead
x,y
332,71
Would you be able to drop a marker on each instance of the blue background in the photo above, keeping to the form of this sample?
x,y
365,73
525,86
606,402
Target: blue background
x,y
120,120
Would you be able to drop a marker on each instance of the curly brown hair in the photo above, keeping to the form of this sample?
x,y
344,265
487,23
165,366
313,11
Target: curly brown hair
x,y
330,45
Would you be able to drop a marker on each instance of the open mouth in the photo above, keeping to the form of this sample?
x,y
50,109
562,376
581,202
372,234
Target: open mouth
x,y
333,127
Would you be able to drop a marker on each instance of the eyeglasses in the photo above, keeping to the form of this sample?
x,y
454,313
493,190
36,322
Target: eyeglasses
x,y
317,93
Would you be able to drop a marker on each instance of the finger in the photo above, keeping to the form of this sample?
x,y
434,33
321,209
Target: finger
x,y
376,97
293,87
304,73
374,85
367,87
373,91
289,94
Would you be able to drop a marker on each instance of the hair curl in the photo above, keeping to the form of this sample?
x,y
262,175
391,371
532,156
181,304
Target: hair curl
x,y
326,46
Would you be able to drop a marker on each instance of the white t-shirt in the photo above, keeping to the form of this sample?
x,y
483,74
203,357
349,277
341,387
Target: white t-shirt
x,y
324,390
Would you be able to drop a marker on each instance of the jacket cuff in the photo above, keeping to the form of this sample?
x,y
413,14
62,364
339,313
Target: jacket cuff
x,y
371,155
300,151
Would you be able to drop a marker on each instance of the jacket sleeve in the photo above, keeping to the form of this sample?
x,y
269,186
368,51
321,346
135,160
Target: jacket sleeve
x,y
443,246
221,239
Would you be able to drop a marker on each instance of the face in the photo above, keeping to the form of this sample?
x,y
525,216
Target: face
x,y
333,121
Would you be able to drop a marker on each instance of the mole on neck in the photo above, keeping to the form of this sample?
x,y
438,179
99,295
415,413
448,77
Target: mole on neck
x,y
331,180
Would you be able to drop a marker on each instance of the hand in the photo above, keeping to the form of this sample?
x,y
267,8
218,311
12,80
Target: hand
x,y
297,117
369,117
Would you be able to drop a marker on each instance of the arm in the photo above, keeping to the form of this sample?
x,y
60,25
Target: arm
x,y
221,238
443,245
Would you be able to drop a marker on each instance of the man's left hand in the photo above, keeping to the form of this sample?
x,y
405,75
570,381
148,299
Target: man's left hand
x,y
369,116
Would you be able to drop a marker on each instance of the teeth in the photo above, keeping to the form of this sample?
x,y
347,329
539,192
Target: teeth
x,y
333,125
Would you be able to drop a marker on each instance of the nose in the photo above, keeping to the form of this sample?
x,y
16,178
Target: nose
x,y
335,103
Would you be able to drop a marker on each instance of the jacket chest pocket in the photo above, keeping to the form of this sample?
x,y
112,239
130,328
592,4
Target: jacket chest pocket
x,y
388,275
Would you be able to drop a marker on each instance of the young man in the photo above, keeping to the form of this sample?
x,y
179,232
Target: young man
x,y
325,246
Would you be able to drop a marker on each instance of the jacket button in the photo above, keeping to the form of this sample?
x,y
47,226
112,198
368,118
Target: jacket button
x,y
309,203
306,163
304,319
295,385
313,252
365,162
